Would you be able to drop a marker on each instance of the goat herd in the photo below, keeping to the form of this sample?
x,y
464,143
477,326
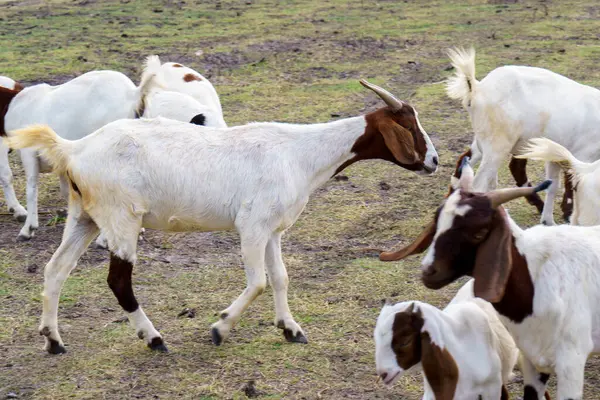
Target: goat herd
x,y
535,293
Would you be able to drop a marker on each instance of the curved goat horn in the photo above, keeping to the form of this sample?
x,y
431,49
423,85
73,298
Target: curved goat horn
x,y
386,96
501,196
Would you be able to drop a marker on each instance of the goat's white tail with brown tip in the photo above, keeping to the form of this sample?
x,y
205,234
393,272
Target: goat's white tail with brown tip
x,y
52,147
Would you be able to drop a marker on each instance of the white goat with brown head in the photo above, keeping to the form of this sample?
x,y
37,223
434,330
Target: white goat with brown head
x,y
544,282
464,350
173,176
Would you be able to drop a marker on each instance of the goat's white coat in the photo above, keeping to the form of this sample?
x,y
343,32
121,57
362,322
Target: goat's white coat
x,y
586,178
175,176
469,329
181,107
201,90
515,103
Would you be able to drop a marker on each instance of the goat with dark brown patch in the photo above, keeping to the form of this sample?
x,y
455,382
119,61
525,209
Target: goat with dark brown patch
x,y
537,279
464,350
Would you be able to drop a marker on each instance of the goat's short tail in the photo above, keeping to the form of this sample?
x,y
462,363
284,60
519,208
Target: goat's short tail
x,y
151,79
543,149
462,85
51,146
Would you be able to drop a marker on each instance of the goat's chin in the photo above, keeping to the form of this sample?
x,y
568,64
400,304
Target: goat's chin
x,y
437,281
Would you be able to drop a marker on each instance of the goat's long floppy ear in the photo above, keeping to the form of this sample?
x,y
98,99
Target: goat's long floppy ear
x,y
420,244
400,142
493,261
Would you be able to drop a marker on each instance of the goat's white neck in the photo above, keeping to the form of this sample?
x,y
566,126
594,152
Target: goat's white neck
x,y
327,146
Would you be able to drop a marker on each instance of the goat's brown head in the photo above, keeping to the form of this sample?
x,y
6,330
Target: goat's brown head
x,y
470,235
394,133
6,96
403,339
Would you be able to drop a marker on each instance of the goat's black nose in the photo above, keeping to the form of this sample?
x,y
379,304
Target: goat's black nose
x,y
435,160
383,376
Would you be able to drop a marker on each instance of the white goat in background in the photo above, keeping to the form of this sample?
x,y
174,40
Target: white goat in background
x,y
167,175
90,101
515,103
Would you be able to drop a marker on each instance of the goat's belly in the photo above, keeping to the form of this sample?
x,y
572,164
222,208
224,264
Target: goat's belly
x,y
182,223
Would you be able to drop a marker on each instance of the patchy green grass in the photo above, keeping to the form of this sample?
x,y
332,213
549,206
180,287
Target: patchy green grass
x,y
296,61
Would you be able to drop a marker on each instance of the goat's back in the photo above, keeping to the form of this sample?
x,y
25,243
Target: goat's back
x,y
76,108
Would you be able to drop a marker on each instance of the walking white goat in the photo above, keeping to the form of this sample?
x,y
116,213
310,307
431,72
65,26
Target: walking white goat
x,y
167,175
515,103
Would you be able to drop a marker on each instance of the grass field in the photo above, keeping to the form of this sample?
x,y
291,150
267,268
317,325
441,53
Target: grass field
x,y
295,61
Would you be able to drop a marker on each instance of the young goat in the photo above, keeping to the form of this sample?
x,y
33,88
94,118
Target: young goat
x,y
583,176
167,175
465,352
515,103
544,282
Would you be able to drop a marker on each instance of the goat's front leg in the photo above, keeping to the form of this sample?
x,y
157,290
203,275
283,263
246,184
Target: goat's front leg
x,y
253,254
79,232
19,213
552,172
486,178
32,171
279,281
569,376
534,381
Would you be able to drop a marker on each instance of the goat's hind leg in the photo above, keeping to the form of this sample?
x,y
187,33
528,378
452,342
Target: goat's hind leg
x,y
123,246
79,231
552,172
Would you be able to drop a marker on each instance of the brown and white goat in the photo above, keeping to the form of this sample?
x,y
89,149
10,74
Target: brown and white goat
x,y
544,282
256,179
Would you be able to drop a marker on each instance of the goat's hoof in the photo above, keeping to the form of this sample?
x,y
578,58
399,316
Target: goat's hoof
x,y
99,246
157,344
217,339
55,348
21,218
23,238
297,338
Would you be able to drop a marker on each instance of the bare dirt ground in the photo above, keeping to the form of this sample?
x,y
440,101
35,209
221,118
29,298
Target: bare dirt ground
x,y
269,60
